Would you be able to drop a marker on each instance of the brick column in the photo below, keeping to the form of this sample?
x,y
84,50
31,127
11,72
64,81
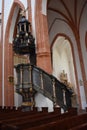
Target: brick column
x,y
10,75
0,69
42,39
1,53
29,11
0,74
9,86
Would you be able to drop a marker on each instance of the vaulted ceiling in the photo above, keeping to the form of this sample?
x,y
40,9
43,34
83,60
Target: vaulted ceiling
x,y
69,11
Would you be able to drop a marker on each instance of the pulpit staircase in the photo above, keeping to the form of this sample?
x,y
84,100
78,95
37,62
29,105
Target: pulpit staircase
x,y
31,76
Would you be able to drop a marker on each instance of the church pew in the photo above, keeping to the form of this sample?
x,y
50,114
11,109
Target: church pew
x,y
19,109
36,122
28,113
10,115
80,127
0,124
38,115
7,109
13,114
79,122
19,114
73,109
25,116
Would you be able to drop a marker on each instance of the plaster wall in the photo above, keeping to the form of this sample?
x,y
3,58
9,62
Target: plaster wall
x,y
62,28
13,24
83,30
42,101
0,6
62,60
44,7
83,98
7,7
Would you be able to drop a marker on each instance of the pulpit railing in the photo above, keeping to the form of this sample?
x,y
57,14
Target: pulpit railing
x,y
30,77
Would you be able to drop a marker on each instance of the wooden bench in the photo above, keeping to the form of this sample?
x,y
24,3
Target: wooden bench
x,y
20,114
38,115
15,114
26,123
70,123
80,127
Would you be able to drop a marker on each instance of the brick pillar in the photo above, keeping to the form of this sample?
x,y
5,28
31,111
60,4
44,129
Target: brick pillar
x,y
42,39
0,74
10,76
1,52
9,86
29,11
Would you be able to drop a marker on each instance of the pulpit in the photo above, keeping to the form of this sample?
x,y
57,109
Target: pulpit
x,y
24,44
24,85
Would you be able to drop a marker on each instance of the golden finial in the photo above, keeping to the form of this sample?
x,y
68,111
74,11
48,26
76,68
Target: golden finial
x,y
22,13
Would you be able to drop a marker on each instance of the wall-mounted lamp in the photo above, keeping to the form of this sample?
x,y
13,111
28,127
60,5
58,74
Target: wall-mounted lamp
x,y
11,79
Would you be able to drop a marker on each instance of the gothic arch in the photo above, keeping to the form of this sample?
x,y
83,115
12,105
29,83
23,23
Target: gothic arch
x,y
16,3
8,58
74,65
66,37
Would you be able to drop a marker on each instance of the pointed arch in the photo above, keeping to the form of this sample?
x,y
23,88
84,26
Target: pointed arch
x,y
8,58
66,37
72,51
15,3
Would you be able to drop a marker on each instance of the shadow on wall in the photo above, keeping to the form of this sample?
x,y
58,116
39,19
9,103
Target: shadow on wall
x,y
42,101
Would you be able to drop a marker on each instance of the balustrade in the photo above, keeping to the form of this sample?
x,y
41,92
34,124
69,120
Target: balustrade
x,y
32,77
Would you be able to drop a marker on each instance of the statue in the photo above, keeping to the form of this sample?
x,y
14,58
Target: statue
x,y
64,80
